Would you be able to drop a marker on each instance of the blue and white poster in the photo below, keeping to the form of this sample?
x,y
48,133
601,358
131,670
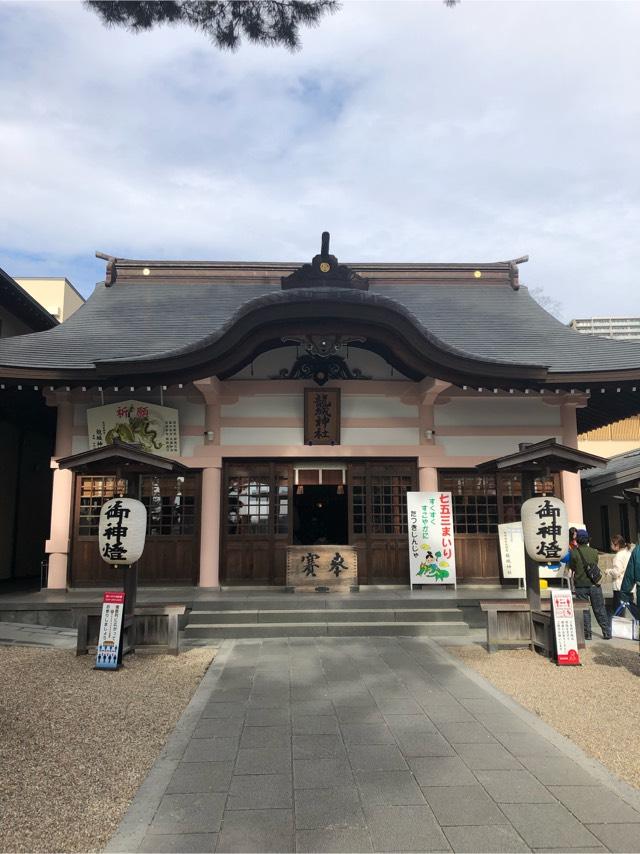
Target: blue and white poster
x,y
109,640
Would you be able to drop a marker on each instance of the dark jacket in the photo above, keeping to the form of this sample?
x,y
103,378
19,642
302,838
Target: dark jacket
x,y
632,573
580,556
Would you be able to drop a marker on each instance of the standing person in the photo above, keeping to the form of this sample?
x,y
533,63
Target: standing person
x,y
582,557
565,560
631,578
622,550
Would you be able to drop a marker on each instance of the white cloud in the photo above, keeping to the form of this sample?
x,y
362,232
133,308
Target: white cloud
x,y
410,130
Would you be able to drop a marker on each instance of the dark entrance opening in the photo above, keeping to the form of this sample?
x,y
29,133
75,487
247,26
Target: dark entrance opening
x,y
320,515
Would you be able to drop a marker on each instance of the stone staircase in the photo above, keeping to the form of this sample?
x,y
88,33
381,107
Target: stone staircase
x,y
309,615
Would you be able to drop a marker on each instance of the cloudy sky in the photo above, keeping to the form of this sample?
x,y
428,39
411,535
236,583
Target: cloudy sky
x,y
411,131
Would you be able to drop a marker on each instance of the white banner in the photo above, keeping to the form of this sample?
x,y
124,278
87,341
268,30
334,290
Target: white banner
x,y
432,558
154,428
512,550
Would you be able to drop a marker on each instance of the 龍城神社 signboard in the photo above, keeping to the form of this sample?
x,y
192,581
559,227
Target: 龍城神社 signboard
x,y
154,428
109,649
122,530
432,558
564,625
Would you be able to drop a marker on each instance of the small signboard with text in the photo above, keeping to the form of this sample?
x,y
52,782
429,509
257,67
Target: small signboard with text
x,y
512,550
109,649
154,428
564,626
432,558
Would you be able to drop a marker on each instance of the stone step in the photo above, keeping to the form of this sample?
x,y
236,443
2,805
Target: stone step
x,y
330,602
310,629
324,615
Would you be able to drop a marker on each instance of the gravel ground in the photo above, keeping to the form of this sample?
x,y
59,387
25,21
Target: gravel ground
x,y
595,705
76,743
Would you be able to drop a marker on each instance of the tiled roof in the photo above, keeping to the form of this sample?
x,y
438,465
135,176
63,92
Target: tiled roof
x,y
483,321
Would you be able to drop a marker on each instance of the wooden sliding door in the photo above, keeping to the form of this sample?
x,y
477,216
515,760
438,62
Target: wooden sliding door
x,y
378,518
255,527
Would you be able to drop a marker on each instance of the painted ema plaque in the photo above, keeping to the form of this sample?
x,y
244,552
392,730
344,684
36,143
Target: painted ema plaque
x,y
432,557
322,416
154,428
564,625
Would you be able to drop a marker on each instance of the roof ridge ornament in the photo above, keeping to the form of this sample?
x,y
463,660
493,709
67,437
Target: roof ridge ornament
x,y
110,275
324,271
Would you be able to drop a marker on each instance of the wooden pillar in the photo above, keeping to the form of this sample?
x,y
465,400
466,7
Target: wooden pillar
x,y
571,488
532,568
210,389
427,479
210,528
57,546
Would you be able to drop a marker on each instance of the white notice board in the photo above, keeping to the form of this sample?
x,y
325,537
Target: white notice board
x,y
512,550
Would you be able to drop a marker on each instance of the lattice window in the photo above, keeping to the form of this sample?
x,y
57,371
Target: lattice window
x,y
511,497
481,502
359,504
94,491
282,518
475,502
170,503
389,503
248,503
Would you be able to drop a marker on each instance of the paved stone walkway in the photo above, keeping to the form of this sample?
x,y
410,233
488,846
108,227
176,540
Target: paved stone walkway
x,y
26,634
366,744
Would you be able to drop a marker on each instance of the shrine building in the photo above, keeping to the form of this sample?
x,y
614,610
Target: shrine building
x,y
298,404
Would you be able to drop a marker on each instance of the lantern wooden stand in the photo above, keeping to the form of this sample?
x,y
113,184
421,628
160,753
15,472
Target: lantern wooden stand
x,y
541,459
123,460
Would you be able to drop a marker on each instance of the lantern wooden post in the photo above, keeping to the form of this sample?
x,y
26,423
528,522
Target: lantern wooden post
x,y
532,568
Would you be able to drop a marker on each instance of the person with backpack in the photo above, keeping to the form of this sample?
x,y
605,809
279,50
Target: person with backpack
x,y
587,577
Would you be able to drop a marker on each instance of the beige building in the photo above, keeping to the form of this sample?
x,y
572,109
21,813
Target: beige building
x,y
56,294
622,328
620,437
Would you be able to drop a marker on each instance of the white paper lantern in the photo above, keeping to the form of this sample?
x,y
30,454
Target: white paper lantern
x,y
122,531
546,529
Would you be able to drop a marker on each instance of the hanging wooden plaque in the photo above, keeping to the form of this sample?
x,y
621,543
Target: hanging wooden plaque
x,y
322,416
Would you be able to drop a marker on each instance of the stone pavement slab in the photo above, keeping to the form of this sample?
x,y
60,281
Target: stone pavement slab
x,y
368,744
496,838
28,634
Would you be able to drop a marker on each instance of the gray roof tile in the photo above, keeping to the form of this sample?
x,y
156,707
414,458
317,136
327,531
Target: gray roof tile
x,y
487,322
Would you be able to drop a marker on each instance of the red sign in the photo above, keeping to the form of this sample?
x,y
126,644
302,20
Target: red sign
x,y
114,598
564,625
